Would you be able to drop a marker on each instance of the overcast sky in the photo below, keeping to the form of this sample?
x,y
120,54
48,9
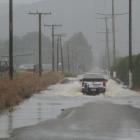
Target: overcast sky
x,y
19,1
79,15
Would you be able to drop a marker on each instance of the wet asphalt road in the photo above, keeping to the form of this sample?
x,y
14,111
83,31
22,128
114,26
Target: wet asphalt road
x,y
92,121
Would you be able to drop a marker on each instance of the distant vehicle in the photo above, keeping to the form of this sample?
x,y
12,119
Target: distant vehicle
x,y
93,84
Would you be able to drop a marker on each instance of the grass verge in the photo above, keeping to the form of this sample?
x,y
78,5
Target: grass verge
x,y
24,86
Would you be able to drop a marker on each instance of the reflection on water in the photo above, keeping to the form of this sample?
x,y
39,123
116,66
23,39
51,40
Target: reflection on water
x,y
40,107
10,123
31,112
49,104
39,112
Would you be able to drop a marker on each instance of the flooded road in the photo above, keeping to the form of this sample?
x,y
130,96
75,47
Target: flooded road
x,y
51,103
41,107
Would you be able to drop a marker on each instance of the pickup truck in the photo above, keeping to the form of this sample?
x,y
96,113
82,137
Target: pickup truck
x,y
93,84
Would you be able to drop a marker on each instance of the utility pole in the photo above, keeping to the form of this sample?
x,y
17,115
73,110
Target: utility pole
x,y
76,61
72,60
114,40
62,57
59,42
113,15
39,14
11,67
53,50
68,57
107,40
130,46
58,39
107,43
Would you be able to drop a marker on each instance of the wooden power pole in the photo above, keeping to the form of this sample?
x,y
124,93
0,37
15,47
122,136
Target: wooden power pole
x,y
130,46
40,38
53,50
11,67
60,50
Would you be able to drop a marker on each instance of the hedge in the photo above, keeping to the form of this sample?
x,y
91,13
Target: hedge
x,y
123,70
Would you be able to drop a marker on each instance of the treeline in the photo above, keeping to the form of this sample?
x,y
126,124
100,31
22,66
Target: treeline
x,y
26,51
123,70
81,55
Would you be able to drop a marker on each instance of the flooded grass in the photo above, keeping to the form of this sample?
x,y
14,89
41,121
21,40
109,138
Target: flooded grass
x,y
24,86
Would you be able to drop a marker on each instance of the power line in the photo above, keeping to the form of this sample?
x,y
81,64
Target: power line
x,y
22,54
103,18
119,14
53,50
39,14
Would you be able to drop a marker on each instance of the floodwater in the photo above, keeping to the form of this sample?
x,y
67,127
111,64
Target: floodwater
x,y
41,107
50,103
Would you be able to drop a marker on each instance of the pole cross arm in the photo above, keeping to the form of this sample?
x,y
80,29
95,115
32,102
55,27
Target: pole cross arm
x,y
103,32
119,14
60,35
105,17
53,25
37,13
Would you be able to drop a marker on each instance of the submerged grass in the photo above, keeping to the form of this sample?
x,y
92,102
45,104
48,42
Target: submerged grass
x,y
24,86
